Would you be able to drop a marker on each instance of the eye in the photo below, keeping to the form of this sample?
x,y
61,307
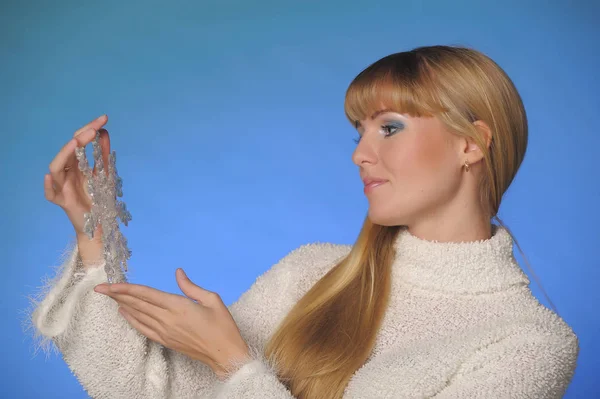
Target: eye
x,y
389,130
392,128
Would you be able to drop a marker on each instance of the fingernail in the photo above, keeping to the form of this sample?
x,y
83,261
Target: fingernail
x,y
100,117
84,131
101,288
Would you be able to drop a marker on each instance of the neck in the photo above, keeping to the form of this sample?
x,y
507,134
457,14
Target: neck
x,y
461,218
454,223
452,232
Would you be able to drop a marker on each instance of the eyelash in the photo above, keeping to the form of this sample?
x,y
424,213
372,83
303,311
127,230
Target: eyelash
x,y
385,127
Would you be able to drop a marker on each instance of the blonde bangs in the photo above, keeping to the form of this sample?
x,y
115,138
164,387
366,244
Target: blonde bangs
x,y
399,83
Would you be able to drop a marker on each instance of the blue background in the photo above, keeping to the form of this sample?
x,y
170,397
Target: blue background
x,y
227,119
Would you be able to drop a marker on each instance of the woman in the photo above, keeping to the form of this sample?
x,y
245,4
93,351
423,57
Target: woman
x,y
428,302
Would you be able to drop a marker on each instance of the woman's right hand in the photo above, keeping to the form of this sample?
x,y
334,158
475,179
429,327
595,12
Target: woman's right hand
x,y
66,185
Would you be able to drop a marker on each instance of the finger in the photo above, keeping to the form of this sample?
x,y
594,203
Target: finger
x,y
143,318
57,166
96,124
141,327
105,149
49,191
193,291
159,298
153,311
85,137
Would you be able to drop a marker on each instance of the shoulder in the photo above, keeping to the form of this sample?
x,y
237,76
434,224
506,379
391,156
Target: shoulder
x,y
546,344
548,353
310,262
536,319
275,291
302,266
305,264
559,339
533,362
314,256
556,340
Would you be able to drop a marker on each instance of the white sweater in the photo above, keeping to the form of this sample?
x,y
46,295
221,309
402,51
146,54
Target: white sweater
x,y
462,323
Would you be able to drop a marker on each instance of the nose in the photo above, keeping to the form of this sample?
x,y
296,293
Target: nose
x,y
364,153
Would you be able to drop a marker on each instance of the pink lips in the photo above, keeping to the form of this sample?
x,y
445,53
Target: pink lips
x,y
371,184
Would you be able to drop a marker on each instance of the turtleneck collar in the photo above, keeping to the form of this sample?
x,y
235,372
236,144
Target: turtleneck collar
x,y
460,267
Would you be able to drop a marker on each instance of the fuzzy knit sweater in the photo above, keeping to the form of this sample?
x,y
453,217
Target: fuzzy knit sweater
x,y
462,323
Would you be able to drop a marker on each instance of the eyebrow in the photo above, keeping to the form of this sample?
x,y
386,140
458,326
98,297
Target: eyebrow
x,y
375,115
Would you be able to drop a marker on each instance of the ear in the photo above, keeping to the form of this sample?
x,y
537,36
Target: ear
x,y
485,131
472,152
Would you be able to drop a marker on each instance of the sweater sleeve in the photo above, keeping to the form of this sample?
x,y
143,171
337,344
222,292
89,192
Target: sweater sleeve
x,y
262,307
110,358
519,366
256,379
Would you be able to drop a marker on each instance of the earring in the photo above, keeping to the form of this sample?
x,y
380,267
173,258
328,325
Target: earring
x,y
467,166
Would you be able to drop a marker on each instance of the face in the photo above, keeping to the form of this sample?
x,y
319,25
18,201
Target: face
x,y
416,159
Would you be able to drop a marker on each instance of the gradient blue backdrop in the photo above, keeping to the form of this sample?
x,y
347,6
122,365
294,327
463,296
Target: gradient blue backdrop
x,y
227,118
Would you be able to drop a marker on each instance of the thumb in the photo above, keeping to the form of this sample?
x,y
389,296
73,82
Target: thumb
x,y
190,289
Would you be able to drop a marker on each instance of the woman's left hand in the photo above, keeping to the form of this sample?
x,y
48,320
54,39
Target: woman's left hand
x,y
199,326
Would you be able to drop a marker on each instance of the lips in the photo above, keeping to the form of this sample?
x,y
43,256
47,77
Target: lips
x,y
371,183
369,180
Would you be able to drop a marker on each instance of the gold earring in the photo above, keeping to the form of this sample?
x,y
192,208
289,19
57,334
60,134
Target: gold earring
x,y
467,166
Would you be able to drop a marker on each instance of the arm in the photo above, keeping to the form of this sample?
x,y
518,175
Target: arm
x,y
263,307
112,360
109,358
530,364
520,366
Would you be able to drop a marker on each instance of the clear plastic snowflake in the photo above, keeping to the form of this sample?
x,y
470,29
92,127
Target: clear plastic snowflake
x,y
104,187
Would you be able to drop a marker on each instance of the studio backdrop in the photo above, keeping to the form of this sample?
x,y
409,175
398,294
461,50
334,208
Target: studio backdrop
x,y
228,123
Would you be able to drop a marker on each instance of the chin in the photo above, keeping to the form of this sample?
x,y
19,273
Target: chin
x,y
383,218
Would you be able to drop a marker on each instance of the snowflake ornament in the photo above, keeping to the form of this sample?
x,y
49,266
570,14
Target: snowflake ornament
x,y
104,187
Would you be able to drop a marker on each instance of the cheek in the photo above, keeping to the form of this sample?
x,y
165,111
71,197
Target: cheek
x,y
417,160
421,169
431,154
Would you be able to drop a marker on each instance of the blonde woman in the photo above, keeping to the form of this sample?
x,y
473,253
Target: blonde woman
x,y
428,302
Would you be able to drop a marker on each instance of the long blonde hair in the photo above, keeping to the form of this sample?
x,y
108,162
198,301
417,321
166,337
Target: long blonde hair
x,y
331,331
